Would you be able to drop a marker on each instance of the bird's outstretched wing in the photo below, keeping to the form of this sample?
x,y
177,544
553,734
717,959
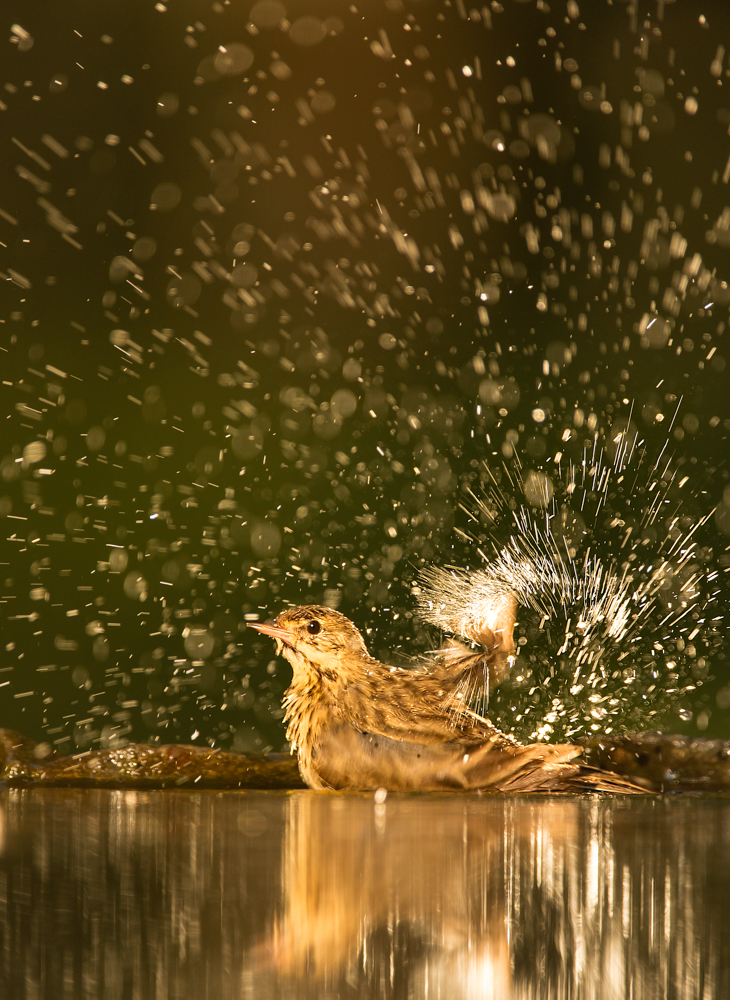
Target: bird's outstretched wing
x,y
480,607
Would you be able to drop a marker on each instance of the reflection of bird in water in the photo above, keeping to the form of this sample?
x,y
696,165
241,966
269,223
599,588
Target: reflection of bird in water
x,y
357,723
383,895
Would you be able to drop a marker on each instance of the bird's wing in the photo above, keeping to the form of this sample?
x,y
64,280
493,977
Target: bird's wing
x,y
480,607
536,767
414,707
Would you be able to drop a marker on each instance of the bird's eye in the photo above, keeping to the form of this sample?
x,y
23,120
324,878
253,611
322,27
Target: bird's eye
x,y
313,628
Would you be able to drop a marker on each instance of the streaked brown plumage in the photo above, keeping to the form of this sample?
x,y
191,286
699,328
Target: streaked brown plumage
x,y
359,724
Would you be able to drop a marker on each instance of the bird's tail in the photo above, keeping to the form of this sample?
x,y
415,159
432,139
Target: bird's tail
x,y
539,767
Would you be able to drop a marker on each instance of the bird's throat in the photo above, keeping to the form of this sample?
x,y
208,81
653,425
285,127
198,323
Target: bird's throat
x,y
308,703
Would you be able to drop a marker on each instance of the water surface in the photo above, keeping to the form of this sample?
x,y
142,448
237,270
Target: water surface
x,y
225,895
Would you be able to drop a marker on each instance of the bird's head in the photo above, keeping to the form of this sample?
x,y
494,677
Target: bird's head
x,y
321,636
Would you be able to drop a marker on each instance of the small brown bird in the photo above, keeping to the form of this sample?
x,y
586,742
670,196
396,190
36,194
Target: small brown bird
x,y
359,724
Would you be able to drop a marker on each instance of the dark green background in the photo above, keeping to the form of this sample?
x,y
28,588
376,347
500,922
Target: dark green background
x,y
196,469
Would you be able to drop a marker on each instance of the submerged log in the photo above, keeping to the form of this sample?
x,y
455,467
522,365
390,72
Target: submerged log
x,y
658,763
141,766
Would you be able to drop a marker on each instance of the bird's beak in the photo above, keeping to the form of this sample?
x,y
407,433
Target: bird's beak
x,y
274,630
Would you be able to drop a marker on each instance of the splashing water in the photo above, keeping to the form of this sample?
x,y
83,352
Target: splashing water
x,y
611,634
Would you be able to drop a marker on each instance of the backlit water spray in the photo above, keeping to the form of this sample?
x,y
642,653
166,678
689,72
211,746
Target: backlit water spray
x,y
616,623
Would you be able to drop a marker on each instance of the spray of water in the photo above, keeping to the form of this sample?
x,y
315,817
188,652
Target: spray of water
x,y
612,628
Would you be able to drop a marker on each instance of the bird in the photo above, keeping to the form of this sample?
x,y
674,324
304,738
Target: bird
x,y
357,724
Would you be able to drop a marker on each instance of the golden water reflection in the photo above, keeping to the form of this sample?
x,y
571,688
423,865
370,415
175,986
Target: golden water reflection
x,y
262,895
